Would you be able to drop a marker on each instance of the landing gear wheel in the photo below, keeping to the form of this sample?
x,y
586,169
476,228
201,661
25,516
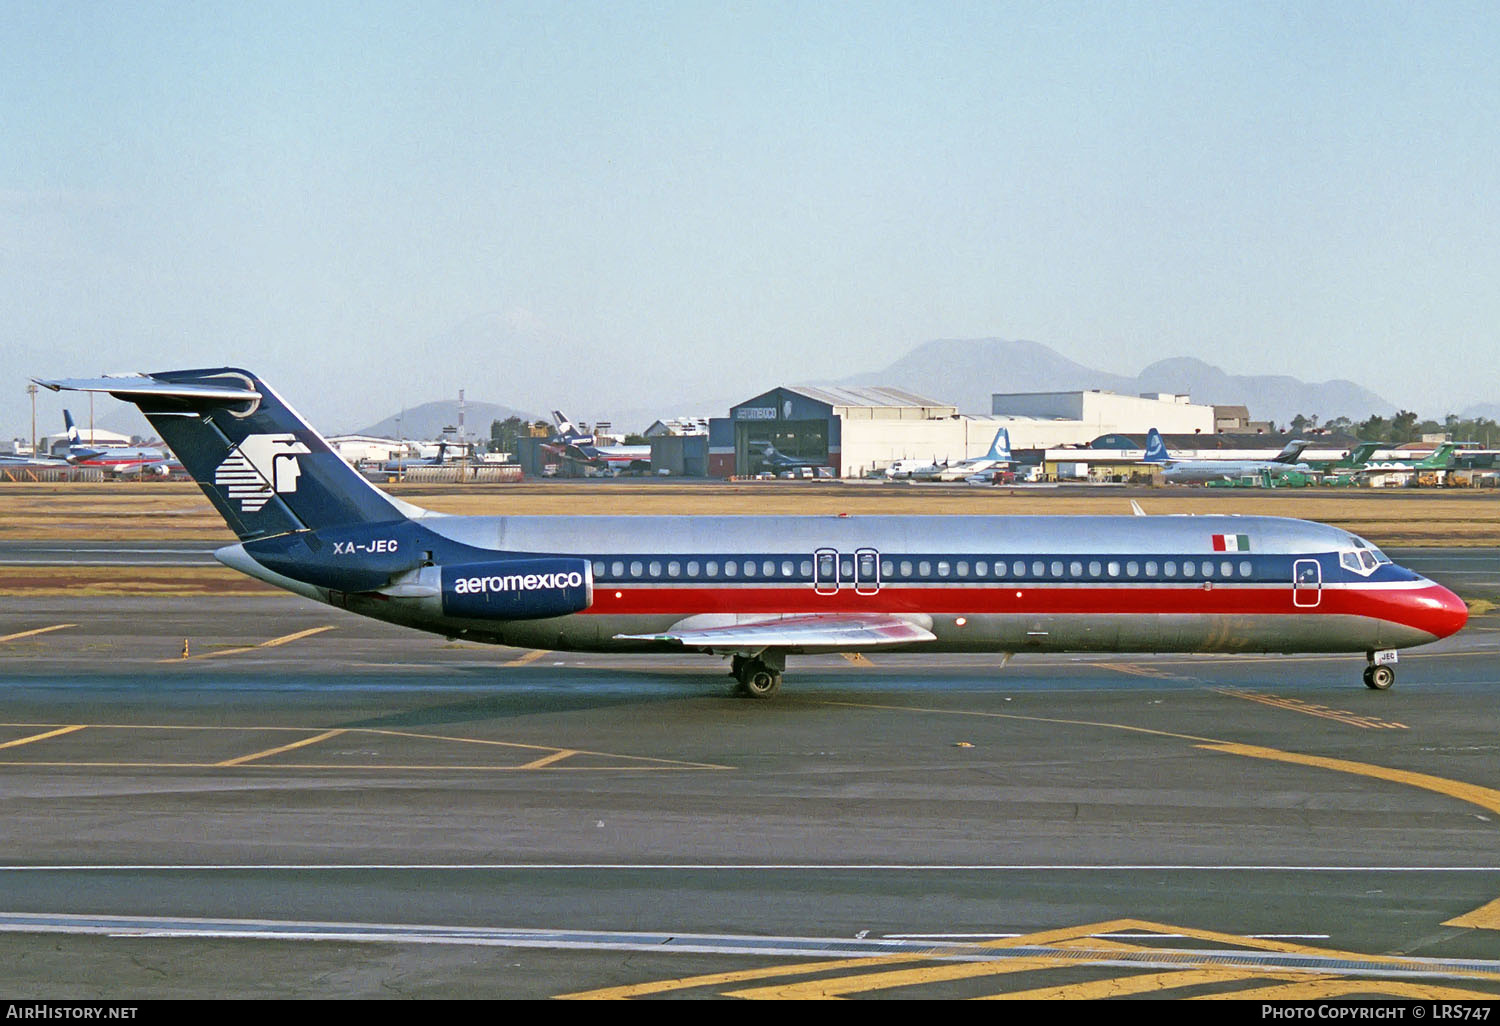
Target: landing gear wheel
x,y
1379,678
758,678
761,682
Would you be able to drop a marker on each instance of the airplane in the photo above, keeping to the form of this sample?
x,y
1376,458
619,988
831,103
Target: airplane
x,y
998,457
585,448
1175,471
117,460
395,466
756,589
916,469
1439,459
781,463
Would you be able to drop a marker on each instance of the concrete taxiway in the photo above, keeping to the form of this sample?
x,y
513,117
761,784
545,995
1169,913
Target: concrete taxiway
x,y
312,804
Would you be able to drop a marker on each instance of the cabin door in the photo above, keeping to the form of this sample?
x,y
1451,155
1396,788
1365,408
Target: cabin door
x,y
1307,583
834,570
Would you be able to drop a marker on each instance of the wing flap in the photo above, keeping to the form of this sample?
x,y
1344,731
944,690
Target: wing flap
x,y
834,632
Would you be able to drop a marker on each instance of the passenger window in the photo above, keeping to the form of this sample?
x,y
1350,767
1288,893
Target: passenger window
x,y
1114,568
1189,568
999,568
1075,568
1208,568
1226,569
963,568
981,569
906,568
787,567
887,568
711,568
768,568
654,570
617,568
1132,569
1038,568
692,568
944,568
1245,568
731,568
924,569
636,568
749,568
1169,568
674,569
806,568
598,568
1150,568
1057,568
1095,568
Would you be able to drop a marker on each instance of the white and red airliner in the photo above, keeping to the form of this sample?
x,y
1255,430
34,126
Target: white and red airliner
x,y
757,589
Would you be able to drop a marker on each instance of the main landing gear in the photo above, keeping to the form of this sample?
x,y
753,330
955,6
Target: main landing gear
x,y
758,676
1380,675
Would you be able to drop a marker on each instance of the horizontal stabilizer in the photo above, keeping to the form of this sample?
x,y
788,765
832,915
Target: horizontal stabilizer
x,y
830,631
141,386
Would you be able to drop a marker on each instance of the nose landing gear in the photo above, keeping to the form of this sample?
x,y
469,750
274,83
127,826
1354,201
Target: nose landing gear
x,y
1380,674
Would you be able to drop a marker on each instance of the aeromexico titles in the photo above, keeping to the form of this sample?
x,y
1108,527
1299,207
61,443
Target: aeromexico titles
x,y
756,589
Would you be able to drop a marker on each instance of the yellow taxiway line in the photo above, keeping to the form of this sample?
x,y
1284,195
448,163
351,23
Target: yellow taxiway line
x,y
39,630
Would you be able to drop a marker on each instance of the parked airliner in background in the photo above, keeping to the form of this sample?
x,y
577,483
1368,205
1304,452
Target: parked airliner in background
x,y
1175,471
758,588
585,448
997,457
117,460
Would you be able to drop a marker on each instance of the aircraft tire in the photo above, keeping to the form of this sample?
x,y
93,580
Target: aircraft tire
x,y
1379,678
760,681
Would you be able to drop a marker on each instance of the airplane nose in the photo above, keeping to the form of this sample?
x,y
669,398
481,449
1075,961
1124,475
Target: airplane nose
x,y
1438,611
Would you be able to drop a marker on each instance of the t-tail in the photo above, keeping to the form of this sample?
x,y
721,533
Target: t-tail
x,y
1292,453
265,470
1156,449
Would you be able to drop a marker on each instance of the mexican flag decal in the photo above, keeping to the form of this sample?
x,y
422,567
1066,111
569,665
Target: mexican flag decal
x,y
1231,543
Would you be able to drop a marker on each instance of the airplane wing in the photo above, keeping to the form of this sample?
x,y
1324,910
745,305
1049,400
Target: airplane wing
x,y
833,632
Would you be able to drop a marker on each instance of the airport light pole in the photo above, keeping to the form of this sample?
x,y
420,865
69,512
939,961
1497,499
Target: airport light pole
x,y
31,391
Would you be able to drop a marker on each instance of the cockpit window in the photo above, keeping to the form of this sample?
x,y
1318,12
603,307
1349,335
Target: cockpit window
x,y
1360,561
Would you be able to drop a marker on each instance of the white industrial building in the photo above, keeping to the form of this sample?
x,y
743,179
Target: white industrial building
x,y
1045,420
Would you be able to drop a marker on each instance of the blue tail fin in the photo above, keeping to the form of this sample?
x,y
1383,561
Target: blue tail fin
x,y
264,469
1000,447
1156,449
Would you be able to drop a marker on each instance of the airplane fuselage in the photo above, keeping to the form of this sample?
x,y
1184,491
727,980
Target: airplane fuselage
x,y
976,583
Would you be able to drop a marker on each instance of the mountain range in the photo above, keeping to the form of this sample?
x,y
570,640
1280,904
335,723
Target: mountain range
x,y
429,420
965,372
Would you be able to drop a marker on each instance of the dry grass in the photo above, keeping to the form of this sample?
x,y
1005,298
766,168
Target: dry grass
x,y
155,510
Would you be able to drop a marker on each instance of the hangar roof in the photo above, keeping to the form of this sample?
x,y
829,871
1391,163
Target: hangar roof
x,y
867,395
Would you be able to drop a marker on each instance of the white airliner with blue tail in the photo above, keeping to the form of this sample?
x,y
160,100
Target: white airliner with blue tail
x,y
756,589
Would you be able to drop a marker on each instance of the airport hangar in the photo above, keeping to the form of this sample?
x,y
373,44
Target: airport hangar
x,y
854,431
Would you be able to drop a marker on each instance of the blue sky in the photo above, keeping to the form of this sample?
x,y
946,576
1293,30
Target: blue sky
x,y
593,204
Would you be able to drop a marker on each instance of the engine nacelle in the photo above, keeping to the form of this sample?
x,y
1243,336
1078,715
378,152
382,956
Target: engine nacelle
x,y
518,589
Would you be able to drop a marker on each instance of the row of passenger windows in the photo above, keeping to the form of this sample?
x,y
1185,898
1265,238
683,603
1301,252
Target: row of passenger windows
x,y
923,569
